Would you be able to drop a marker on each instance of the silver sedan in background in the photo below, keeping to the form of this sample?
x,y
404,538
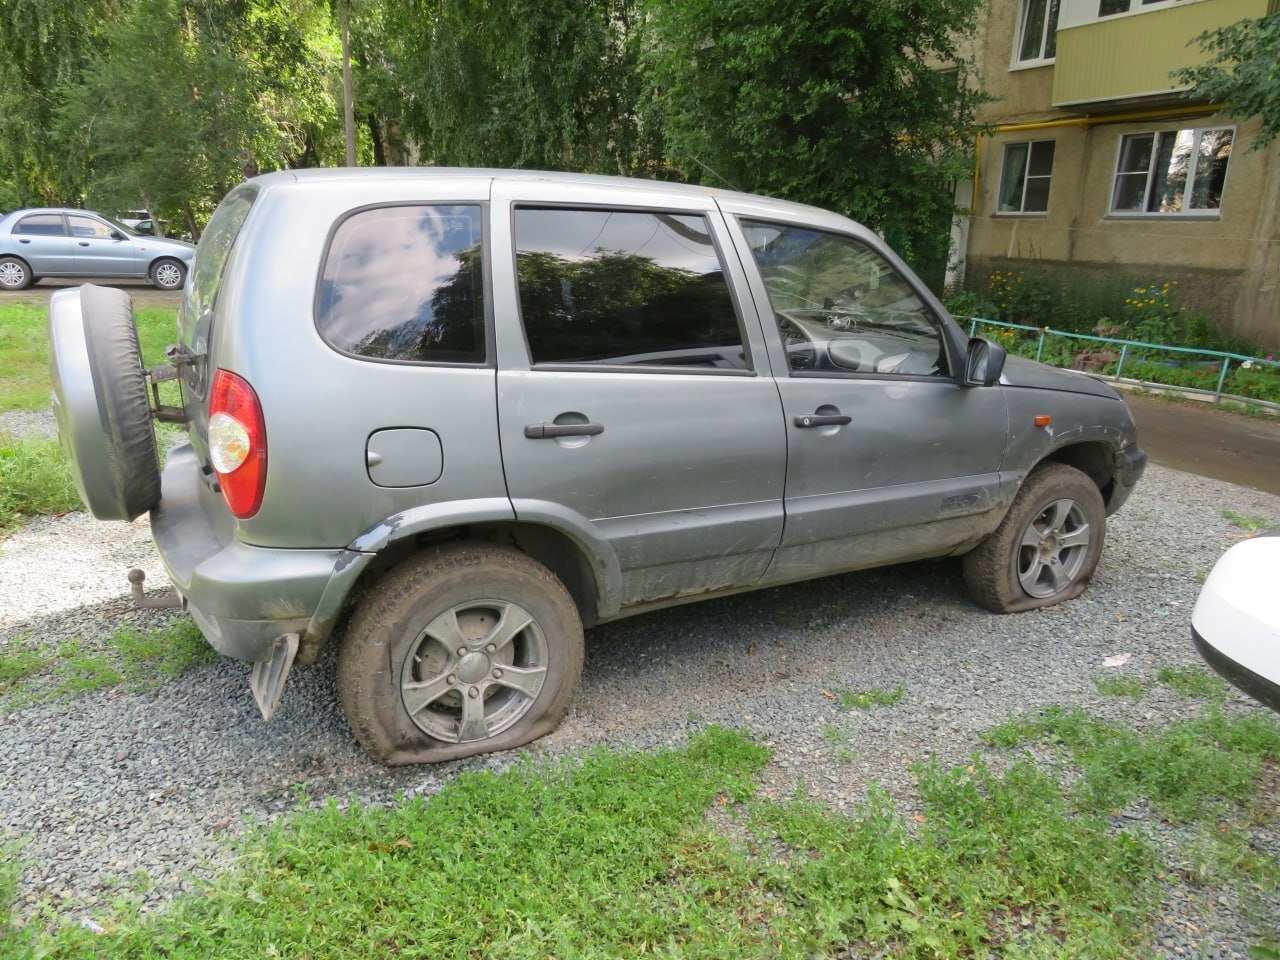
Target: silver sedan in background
x,y
53,242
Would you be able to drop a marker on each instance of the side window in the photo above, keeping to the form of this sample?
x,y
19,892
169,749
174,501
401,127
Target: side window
x,y
1024,179
406,283
89,227
624,287
42,225
215,247
841,307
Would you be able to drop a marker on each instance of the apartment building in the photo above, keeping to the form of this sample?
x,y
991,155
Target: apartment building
x,y
1097,161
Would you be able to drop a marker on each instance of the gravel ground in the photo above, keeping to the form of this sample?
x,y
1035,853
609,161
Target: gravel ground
x,y
158,781
28,423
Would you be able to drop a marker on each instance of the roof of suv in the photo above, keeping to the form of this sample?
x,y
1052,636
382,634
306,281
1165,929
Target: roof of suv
x,y
358,174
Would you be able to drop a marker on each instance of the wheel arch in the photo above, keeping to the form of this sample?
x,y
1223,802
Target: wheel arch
x,y
1095,458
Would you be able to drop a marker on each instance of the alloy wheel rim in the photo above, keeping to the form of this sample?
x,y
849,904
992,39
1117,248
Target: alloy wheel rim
x,y
167,275
1053,549
11,274
474,671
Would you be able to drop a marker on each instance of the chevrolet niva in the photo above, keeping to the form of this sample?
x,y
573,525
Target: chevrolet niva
x,y
467,412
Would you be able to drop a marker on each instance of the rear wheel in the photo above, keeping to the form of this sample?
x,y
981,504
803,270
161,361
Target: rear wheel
x,y
15,274
467,649
1046,548
168,274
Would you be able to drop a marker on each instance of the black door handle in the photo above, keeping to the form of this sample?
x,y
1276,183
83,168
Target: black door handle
x,y
83,243
548,431
822,420
23,240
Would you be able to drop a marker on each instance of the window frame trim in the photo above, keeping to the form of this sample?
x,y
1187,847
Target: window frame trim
x,y
66,226
1019,31
1136,8
1022,201
558,366
1187,213
490,360
948,329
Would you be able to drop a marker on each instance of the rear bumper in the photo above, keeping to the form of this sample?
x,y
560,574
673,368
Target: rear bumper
x,y
1131,463
243,597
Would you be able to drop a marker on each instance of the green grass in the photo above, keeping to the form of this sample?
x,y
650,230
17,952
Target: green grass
x,y
1247,523
614,856
34,480
1193,682
24,350
1113,686
872,697
139,658
1189,770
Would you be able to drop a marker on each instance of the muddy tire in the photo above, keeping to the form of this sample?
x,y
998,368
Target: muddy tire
x,y
1046,548
468,648
100,401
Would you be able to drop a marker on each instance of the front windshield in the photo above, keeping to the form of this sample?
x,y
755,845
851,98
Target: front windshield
x,y
121,227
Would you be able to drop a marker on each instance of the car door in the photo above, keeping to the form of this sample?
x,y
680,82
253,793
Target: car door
x,y
42,241
102,251
635,399
890,457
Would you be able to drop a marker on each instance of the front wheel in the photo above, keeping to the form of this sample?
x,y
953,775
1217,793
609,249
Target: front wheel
x,y
15,274
466,649
1046,548
168,274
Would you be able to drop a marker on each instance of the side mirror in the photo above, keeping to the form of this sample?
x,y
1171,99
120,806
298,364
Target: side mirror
x,y
117,235
984,362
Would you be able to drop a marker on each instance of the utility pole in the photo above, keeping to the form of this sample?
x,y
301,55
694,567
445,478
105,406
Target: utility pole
x,y
348,97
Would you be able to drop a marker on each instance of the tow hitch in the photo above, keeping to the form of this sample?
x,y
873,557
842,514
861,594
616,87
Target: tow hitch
x,y
166,601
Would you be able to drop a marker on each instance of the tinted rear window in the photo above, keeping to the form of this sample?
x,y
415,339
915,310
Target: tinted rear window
x,y
406,283
624,287
42,225
215,247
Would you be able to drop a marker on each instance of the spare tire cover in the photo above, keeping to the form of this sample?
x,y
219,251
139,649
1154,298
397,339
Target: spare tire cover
x,y
100,401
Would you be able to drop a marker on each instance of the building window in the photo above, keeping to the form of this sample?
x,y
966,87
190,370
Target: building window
x,y
1037,31
1109,8
1172,171
1024,181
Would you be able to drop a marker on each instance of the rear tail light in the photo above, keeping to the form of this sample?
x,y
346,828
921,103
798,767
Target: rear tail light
x,y
237,443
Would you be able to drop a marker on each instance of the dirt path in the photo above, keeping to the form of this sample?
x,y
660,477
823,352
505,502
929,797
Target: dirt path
x,y
1203,439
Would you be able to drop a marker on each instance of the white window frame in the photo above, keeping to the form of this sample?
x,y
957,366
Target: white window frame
x,y
1018,32
1026,177
1186,213
1136,7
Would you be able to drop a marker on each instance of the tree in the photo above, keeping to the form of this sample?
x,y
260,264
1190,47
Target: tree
x,y
188,97
1243,72
44,48
838,103
555,84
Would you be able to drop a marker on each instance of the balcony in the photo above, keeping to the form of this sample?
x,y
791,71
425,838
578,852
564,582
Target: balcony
x,y
1109,63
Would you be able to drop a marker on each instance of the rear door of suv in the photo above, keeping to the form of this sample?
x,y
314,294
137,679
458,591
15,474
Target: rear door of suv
x,y
634,392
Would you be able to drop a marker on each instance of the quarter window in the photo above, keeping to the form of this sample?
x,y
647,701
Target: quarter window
x,y
1038,31
1172,171
88,227
406,283
841,307
624,288
1024,179
42,225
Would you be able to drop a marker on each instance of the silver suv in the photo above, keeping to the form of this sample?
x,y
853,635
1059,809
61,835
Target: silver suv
x,y
478,410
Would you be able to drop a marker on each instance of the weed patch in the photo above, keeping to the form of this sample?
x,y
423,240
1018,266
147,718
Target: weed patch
x,y
874,697
1113,686
1247,523
34,480
1193,682
1188,770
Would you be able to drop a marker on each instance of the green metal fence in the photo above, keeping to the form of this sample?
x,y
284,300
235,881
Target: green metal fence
x,y
1138,348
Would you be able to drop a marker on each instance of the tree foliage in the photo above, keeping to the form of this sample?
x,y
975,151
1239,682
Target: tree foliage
x,y
1243,72
838,103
